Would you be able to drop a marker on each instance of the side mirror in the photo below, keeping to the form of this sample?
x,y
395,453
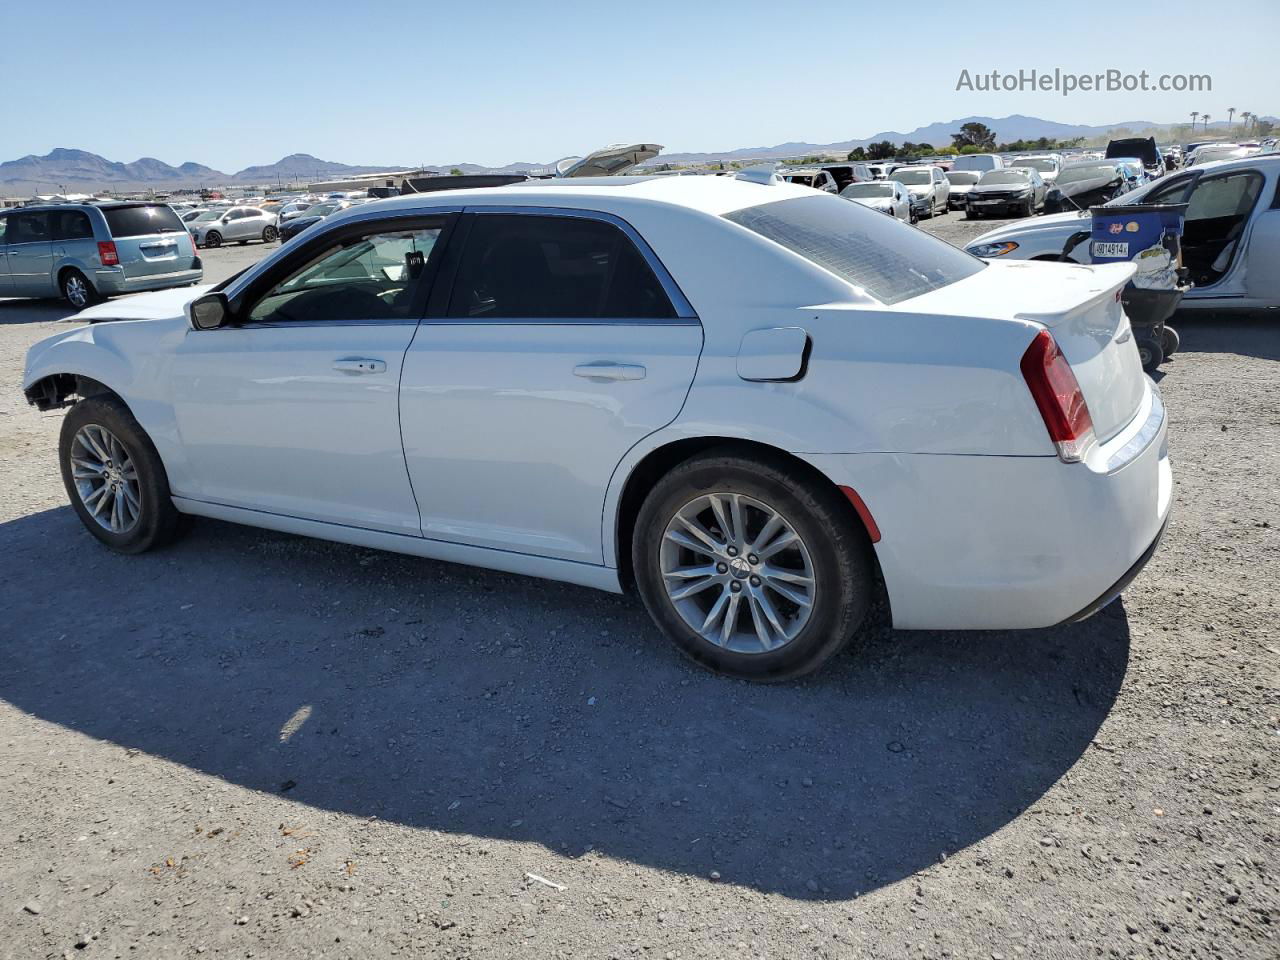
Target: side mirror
x,y
209,312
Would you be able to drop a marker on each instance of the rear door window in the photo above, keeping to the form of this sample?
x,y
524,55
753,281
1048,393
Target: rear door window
x,y
519,266
889,260
142,220
28,227
71,225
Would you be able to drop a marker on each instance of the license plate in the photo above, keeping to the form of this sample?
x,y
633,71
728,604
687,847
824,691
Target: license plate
x,y
986,203
1104,248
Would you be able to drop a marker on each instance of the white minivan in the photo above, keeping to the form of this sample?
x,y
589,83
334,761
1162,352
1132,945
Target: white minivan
x,y
981,162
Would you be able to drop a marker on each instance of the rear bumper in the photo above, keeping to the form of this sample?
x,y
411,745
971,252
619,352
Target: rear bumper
x,y
991,542
1113,592
112,281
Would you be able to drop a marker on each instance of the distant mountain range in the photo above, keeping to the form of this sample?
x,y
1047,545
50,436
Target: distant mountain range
x,y
67,170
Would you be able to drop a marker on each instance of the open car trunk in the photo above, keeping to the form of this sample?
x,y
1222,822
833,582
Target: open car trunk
x,y
610,161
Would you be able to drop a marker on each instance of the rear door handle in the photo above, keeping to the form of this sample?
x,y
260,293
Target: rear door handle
x,y
360,365
609,370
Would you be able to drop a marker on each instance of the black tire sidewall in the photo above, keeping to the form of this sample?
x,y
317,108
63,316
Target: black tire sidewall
x,y
213,239
841,559
159,518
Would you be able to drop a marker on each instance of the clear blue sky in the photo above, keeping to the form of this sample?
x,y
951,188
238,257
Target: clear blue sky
x,y
233,83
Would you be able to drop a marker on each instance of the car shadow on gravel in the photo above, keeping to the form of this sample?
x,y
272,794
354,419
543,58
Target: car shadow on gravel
x,y
1246,333
477,703
33,311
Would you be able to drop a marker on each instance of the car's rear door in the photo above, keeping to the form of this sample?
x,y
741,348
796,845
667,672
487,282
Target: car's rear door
x,y
559,343
293,410
6,285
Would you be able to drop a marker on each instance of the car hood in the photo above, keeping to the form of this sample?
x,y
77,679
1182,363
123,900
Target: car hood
x,y
920,190
1052,225
1000,187
143,306
1090,183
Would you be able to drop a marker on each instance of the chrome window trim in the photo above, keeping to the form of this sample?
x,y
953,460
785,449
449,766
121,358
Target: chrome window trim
x,y
679,302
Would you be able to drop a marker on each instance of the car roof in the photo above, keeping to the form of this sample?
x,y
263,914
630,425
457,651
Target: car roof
x,y
712,195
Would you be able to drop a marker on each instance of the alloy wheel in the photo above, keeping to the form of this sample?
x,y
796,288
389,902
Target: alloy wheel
x,y
105,478
737,573
77,290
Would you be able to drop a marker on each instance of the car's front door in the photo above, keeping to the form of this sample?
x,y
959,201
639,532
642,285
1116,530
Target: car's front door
x,y
29,255
560,343
293,410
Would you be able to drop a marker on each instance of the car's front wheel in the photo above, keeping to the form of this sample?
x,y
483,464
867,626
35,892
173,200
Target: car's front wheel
x,y
114,477
751,567
213,239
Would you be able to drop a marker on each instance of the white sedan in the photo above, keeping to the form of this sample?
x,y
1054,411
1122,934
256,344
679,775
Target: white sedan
x,y
884,196
755,402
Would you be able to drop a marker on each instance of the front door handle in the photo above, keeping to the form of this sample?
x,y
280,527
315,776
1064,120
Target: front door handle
x,y
610,370
360,365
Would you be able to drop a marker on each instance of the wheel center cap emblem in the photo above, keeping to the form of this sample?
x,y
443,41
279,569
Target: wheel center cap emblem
x,y
739,568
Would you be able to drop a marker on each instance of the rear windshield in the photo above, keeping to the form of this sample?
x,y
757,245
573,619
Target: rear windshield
x,y
888,259
1040,166
142,220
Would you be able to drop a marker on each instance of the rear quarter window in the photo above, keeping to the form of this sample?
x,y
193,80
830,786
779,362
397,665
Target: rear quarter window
x,y
889,260
142,220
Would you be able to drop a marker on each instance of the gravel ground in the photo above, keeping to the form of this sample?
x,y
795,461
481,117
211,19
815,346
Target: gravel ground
x,y
252,744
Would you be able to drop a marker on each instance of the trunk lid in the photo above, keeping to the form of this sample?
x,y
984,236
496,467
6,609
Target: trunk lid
x,y
613,160
1081,307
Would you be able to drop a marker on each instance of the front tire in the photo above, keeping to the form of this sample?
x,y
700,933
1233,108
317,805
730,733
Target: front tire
x,y
77,290
213,239
750,567
114,477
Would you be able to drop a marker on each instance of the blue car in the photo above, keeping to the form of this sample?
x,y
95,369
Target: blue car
x,y
86,252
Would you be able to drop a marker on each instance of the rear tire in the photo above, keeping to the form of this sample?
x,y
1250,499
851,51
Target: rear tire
x,y
269,233
77,290
785,607
102,445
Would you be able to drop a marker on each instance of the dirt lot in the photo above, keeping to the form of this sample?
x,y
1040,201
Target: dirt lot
x,y
257,745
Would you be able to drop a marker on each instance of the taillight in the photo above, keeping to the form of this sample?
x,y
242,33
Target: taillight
x,y
1057,393
107,253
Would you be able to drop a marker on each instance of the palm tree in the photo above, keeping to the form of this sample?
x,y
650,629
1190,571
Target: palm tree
x,y
1194,114
1231,112
1205,118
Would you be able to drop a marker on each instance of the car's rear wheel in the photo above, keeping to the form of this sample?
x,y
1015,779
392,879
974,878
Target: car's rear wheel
x,y
213,239
751,567
77,290
269,233
114,477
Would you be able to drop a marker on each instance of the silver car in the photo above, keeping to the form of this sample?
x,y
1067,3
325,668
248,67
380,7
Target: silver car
x,y
240,224
885,196
85,252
